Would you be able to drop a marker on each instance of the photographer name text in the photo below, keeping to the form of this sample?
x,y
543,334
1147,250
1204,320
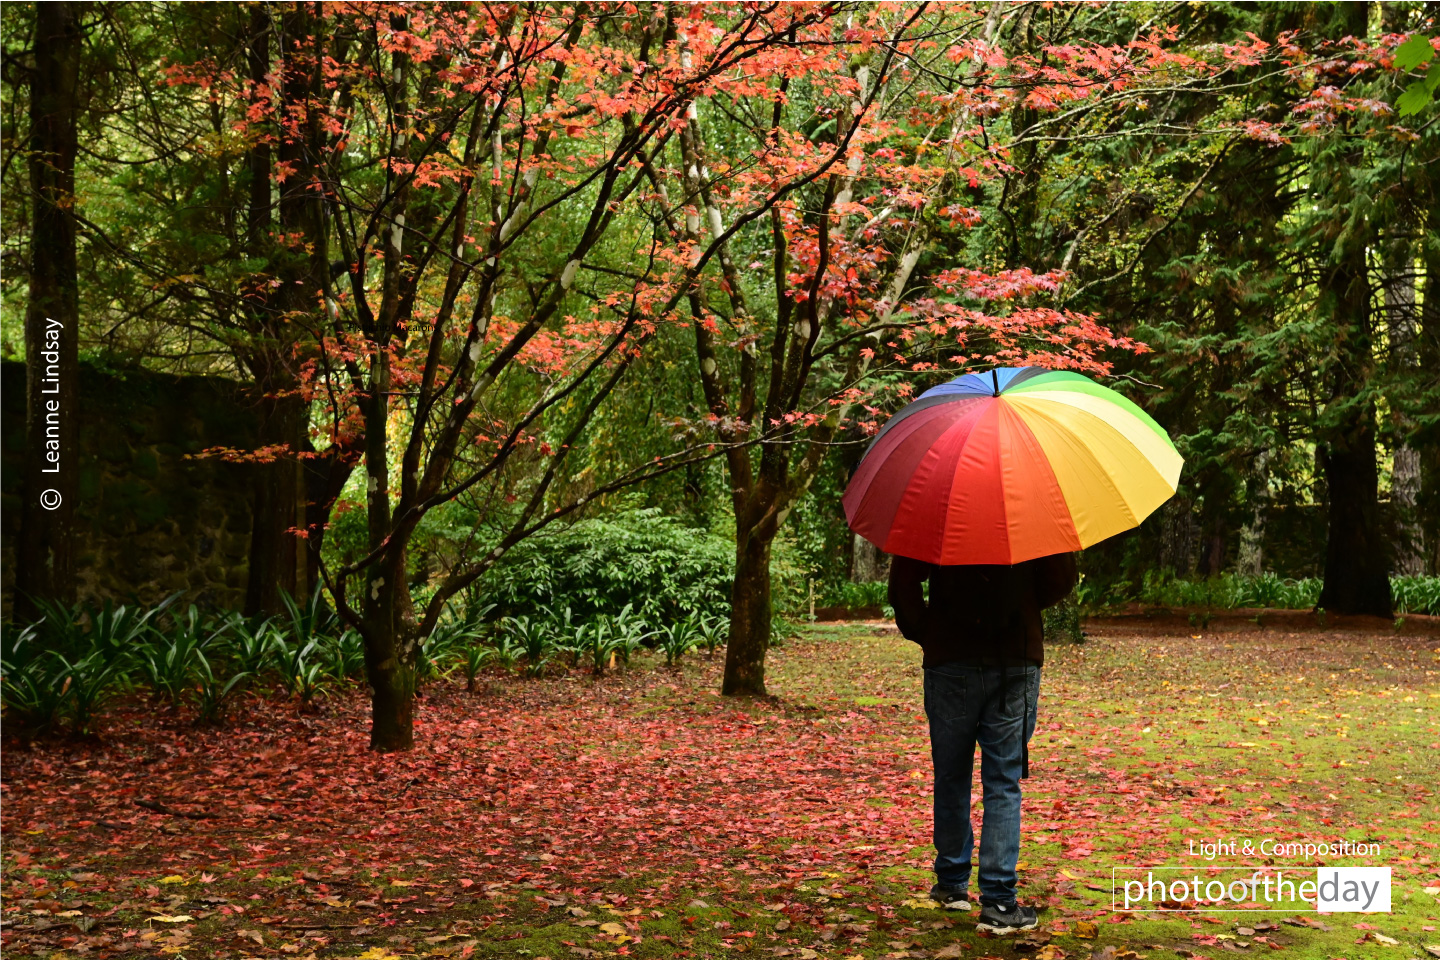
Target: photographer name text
x,y
50,384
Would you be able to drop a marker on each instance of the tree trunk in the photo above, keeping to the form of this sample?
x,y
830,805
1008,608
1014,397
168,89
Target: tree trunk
x,y
390,654
1212,556
749,618
1428,367
388,623
868,564
274,495
46,568
1357,563
325,479
1356,576
1176,535
1357,573
278,557
1405,480
1400,322
392,707
1250,559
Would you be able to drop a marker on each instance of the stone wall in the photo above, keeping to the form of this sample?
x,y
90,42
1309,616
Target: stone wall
x,y
152,520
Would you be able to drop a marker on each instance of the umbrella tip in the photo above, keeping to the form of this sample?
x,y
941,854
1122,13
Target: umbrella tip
x,y
995,379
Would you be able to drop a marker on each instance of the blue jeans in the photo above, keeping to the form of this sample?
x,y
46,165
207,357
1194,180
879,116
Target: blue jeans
x,y
965,706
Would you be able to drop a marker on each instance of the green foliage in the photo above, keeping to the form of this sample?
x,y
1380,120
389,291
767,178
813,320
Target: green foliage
x,y
299,662
506,653
214,691
249,642
1061,622
677,639
30,695
713,634
533,638
171,665
445,648
782,630
638,558
857,596
114,632
61,669
89,682
315,621
346,656
631,632
1230,591
1416,594
473,660
57,674
1413,53
597,639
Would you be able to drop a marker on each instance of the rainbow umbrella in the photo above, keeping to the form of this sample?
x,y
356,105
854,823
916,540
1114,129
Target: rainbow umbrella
x,y
1009,465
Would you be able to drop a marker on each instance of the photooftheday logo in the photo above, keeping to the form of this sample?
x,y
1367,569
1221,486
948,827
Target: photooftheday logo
x,y
1326,889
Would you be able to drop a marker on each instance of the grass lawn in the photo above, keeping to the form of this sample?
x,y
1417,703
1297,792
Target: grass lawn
x,y
642,815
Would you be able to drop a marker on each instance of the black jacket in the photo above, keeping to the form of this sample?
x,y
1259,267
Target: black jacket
x,y
980,613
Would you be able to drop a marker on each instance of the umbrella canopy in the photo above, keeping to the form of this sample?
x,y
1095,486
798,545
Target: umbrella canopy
x,y
1005,466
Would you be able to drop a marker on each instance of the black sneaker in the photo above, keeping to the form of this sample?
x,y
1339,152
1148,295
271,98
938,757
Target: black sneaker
x,y
951,898
1002,919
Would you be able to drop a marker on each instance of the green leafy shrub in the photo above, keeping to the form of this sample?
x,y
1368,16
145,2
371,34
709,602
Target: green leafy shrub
x,y
214,691
473,660
62,668
714,633
632,632
314,621
440,653
856,596
597,640
250,643
115,633
345,656
1416,594
88,682
782,631
1229,591
598,566
59,671
565,633
33,680
172,660
678,639
506,653
532,637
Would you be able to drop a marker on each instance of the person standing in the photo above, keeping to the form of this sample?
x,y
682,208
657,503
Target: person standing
x,y
983,643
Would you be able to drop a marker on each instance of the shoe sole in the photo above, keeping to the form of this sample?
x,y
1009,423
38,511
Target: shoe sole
x,y
962,904
1005,931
